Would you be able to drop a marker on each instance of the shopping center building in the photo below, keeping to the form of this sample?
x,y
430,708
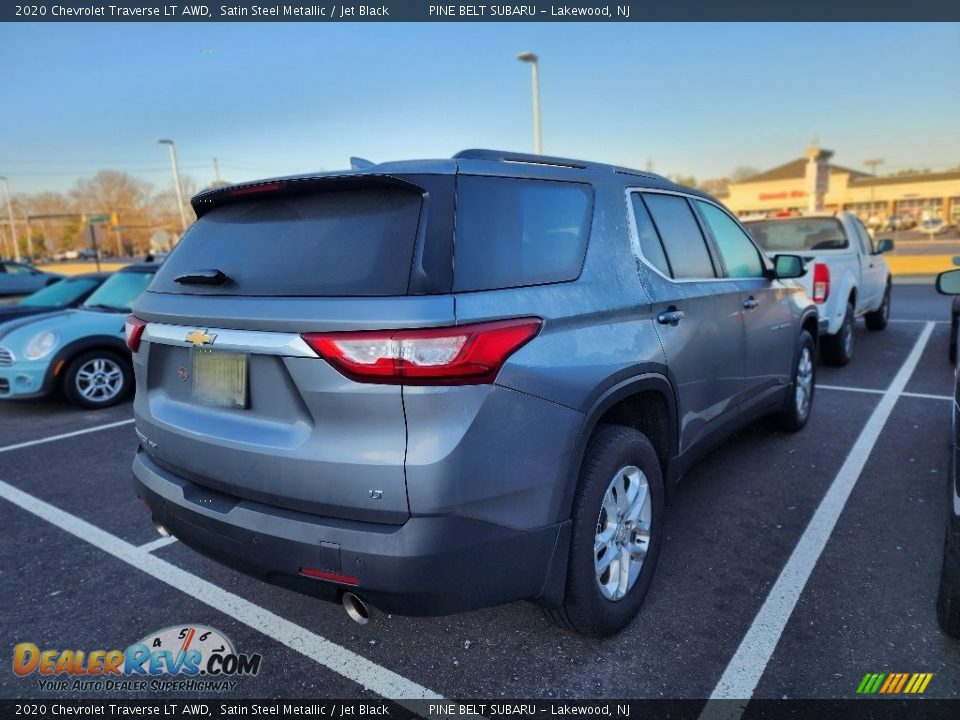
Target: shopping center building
x,y
813,182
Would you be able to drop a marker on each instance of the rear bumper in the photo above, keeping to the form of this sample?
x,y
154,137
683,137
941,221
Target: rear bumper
x,y
428,566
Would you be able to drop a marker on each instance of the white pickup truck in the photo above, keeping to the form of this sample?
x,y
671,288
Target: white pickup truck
x,y
847,276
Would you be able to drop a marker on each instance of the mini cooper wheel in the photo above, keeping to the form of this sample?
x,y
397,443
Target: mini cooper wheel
x,y
97,379
799,401
617,517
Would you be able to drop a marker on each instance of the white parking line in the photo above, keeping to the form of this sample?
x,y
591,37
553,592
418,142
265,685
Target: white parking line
x,y
743,672
872,391
157,544
920,322
369,675
63,436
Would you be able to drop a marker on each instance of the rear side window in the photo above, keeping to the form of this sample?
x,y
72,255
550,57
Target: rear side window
x,y
650,245
354,242
685,246
739,253
514,232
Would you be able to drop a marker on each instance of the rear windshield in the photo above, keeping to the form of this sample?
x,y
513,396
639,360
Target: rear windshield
x,y
352,242
512,232
798,234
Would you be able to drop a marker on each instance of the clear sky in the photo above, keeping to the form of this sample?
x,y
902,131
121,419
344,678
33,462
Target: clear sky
x,y
270,99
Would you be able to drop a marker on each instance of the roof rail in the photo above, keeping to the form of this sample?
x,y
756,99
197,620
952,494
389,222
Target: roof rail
x,y
505,156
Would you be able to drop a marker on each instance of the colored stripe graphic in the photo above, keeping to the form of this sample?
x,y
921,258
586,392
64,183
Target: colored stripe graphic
x,y
894,683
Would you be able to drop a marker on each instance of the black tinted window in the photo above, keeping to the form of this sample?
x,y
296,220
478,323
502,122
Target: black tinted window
x,y
686,249
344,242
650,246
512,232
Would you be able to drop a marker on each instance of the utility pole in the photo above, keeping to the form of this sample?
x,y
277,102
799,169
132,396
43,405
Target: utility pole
x,y
216,173
529,57
873,165
13,229
176,181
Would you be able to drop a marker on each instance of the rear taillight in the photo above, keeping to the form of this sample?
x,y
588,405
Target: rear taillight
x,y
821,282
133,327
460,355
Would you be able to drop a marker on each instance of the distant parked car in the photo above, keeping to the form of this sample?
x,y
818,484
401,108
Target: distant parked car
x,y
18,278
79,352
68,293
65,255
933,226
849,278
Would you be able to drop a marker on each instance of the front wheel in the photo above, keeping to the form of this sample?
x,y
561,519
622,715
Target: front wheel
x,y
948,596
878,319
799,401
97,379
617,525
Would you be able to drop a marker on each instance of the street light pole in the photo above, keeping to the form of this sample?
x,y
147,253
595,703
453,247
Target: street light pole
x,y
176,180
529,57
13,228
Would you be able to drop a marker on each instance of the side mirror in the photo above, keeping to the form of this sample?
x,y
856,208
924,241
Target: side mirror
x,y
787,267
948,283
884,246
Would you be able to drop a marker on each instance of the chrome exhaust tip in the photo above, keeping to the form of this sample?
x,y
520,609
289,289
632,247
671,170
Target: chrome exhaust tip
x,y
161,530
357,609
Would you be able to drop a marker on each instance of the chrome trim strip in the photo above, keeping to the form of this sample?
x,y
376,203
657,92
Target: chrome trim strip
x,y
252,341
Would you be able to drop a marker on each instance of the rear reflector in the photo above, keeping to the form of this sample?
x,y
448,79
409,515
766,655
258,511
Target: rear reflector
x,y
458,355
331,576
821,282
133,328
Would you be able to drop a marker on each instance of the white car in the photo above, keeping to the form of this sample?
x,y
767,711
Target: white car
x,y
847,276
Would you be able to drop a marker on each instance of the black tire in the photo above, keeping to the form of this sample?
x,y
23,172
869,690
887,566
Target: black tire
x,y
793,417
585,609
837,349
878,319
106,396
948,598
954,324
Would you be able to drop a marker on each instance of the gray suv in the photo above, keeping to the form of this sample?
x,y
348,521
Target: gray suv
x,y
434,386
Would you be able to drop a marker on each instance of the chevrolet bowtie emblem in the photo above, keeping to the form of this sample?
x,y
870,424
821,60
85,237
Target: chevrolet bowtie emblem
x,y
200,337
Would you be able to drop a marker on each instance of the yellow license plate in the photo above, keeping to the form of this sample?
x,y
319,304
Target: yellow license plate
x,y
220,378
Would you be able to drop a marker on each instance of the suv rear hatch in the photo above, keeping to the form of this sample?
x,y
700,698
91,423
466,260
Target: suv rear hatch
x,y
231,397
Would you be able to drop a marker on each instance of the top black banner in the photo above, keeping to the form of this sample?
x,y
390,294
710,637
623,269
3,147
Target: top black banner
x,y
421,11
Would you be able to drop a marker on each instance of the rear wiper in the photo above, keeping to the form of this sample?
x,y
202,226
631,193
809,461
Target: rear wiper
x,y
203,277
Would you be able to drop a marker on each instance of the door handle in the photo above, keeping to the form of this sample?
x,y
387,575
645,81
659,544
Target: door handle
x,y
670,317
750,303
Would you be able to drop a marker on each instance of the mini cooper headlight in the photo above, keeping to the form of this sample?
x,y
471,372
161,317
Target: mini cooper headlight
x,y
40,345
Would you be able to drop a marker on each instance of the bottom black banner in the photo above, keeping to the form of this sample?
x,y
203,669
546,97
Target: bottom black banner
x,y
858,709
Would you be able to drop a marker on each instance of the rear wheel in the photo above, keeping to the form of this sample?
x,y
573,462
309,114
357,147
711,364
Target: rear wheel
x,y
617,524
878,319
799,401
837,349
97,379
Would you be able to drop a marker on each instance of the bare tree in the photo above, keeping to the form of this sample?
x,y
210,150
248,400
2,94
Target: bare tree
x,y
744,172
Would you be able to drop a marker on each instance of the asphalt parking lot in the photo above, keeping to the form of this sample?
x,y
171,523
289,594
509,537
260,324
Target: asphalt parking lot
x,y
793,564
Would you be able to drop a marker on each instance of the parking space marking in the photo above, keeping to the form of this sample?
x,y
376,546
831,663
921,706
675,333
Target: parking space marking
x,y
874,391
340,660
64,436
743,672
921,322
157,544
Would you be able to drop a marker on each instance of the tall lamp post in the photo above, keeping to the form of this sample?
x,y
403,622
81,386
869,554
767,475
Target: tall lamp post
x,y
176,180
529,57
13,228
